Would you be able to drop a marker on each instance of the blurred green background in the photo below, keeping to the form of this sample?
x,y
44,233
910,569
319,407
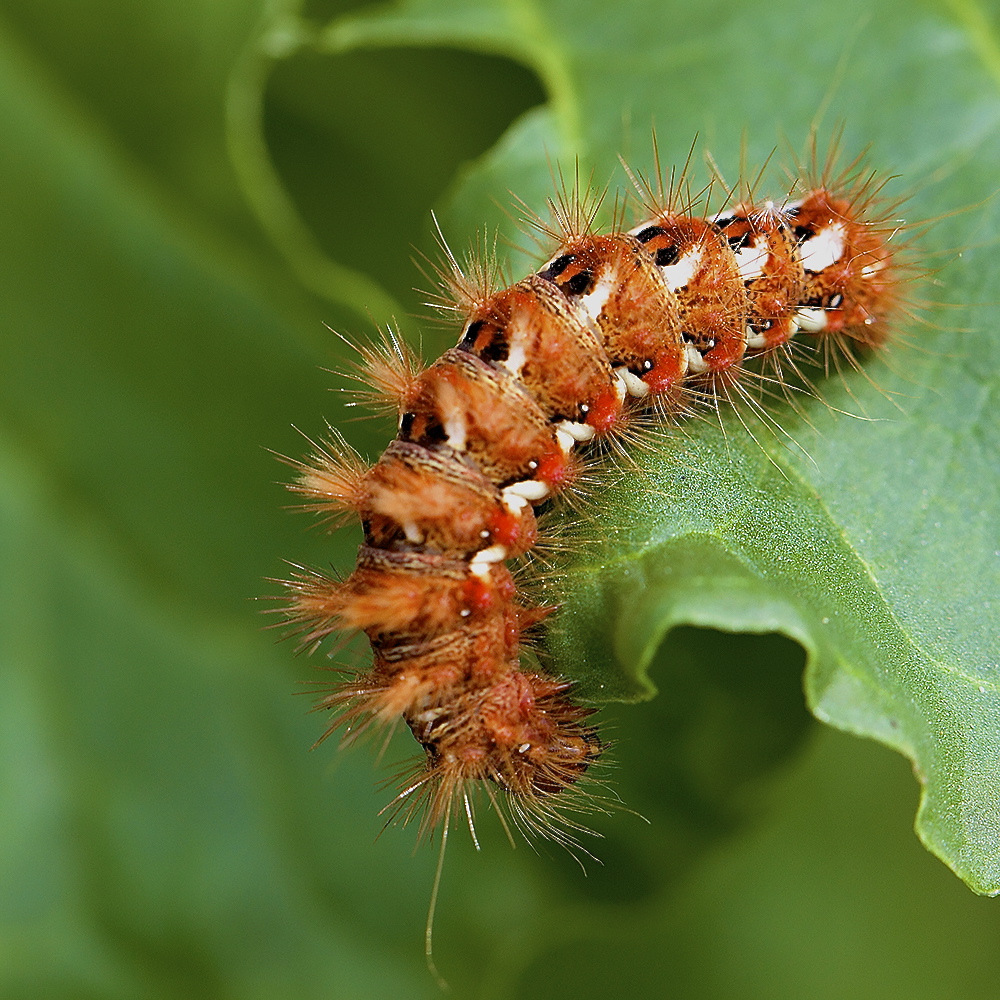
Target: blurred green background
x,y
189,194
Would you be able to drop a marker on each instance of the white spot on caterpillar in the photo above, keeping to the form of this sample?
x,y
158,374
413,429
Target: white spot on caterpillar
x,y
755,341
824,249
592,304
514,503
482,561
579,432
680,274
751,261
634,385
527,489
565,440
569,434
696,363
455,430
811,320
516,340
412,532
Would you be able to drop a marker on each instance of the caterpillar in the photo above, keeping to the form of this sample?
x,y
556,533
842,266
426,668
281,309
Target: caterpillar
x,y
547,372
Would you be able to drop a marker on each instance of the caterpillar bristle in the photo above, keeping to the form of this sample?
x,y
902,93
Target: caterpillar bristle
x,y
386,371
312,611
460,287
668,192
332,479
571,212
615,341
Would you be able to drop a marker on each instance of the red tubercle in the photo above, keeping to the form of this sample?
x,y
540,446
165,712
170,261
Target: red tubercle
x,y
479,594
605,410
728,352
517,533
665,373
553,468
779,333
504,528
482,593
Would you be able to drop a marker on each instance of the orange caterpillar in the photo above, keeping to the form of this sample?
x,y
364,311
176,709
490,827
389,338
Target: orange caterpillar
x,y
612,325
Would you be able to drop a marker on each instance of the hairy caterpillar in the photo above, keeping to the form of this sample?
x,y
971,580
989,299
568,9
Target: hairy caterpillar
x,y
612,327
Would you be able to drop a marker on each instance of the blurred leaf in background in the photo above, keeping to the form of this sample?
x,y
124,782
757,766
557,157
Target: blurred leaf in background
x,y
190,191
